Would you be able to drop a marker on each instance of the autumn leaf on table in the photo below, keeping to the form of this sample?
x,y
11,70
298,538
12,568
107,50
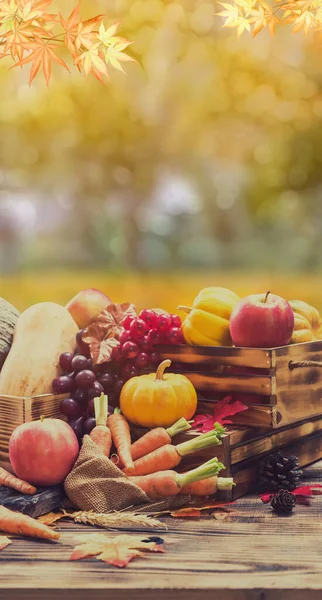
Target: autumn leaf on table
x,y
4,541
196,511
222,409
52,517
101,336
117,551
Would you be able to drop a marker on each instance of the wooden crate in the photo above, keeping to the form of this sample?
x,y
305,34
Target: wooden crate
x,y
243,448
280,385
16,410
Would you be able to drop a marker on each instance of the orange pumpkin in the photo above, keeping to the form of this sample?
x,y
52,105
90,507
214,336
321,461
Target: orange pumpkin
x,y
158,399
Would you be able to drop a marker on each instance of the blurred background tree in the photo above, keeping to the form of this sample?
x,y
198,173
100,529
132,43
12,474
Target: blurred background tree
x,y
207,154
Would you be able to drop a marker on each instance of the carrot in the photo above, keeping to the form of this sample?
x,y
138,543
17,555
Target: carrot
x,y
207,487
169,457
121,436
15,522
14,483
156,438
169,483
101,434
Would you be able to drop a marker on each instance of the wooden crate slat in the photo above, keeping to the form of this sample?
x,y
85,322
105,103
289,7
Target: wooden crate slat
x,y
14,411
308,449
301,388
252,384
274,440
221,355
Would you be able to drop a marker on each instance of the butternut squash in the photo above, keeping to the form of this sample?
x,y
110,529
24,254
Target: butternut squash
x,y
42,333
8,319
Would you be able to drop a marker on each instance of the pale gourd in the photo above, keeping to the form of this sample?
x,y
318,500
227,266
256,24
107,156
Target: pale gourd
x,y
8,319
42,333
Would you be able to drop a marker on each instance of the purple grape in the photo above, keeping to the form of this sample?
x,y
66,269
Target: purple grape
x,y
71,408
82,346
63,384
80,395
155,358
85,379
77,426
142,360
107,381
95,391
118,386
65,360
89,424
90,408
128,372
97,369
79,363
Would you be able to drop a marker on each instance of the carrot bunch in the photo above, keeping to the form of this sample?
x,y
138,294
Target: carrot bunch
x,y
156,438
169,456
112,429
170,483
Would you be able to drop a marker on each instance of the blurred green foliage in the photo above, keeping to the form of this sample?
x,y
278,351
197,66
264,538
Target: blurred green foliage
x,y
208,153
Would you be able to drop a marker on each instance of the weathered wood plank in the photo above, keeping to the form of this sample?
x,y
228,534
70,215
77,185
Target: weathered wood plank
x,y
203,355
242,558
221,382
273,440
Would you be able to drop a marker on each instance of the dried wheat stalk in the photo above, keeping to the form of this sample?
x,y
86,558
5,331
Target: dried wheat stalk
x,y
115,519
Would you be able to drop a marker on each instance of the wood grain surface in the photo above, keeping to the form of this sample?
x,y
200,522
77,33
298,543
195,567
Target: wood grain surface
x,y
254,554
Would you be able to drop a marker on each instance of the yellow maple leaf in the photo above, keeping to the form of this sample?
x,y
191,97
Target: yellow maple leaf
x,y
231,13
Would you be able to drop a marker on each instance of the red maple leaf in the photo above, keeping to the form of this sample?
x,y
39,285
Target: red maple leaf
x,y
222,409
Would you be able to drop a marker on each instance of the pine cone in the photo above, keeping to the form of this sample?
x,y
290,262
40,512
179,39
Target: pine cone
x,y
278,472
283,501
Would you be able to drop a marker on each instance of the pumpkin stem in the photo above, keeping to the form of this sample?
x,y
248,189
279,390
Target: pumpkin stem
x,y
161,368
186,309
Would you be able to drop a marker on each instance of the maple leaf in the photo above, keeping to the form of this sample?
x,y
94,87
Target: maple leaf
x,y
92,61
117,551
86,32
222,409
231,13
4,541
114,55
101,336
52,517
42,53
70,27
16,40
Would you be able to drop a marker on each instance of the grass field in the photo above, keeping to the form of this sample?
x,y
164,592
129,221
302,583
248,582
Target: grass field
x,y
165,290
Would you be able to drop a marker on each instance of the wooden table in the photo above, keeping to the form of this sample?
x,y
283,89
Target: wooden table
x,y
253,554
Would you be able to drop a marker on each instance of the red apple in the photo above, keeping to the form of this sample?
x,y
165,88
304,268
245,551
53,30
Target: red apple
x,y
43,452
87,305
262,321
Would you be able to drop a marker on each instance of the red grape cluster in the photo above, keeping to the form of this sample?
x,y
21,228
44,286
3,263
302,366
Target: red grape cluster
x,y
136,350
134,353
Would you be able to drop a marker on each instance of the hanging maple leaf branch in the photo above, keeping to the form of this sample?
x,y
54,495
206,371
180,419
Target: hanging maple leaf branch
x,y
28,34
255,15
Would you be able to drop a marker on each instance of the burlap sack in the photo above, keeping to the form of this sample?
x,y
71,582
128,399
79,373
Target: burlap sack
x,y
95,483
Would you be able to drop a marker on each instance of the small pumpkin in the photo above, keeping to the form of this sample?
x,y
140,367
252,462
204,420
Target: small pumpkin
x,y
307,323
158,399
207,323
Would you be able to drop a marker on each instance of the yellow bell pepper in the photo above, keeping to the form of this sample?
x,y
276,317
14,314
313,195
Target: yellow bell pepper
x,y
207,323
307,324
